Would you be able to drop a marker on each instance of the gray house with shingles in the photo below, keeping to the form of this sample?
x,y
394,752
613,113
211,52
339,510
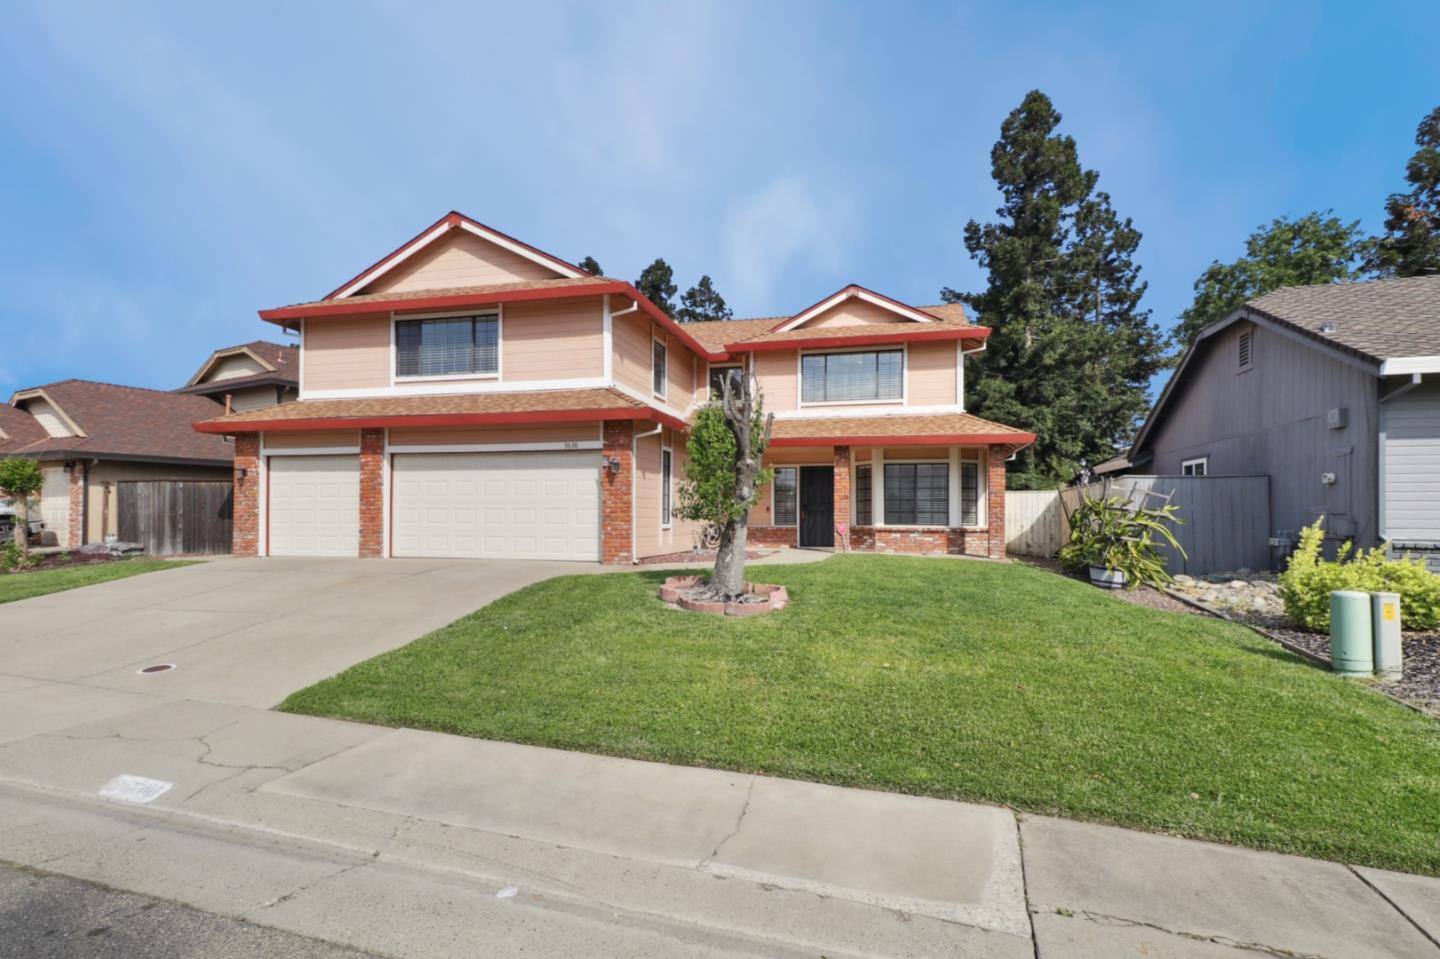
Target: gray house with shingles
x,y
1331,391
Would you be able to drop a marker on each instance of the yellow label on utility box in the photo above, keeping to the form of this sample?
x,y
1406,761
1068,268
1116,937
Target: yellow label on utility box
x,y
1387,611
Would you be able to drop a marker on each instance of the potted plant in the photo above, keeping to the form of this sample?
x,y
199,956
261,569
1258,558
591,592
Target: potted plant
x,y
1119,542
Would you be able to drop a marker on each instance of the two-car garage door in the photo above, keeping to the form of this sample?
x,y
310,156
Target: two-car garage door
x,y
497,505
542,505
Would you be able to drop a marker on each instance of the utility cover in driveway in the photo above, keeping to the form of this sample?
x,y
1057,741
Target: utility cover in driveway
x,y
498,505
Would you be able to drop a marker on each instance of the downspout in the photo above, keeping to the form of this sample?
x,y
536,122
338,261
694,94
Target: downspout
x,y
960,371
634,472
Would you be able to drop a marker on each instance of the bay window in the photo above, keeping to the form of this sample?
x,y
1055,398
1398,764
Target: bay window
x,y
875,375
448,346
969,493
864,495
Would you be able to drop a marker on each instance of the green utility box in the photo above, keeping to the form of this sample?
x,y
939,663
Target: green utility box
x,y
1352,649
1385,625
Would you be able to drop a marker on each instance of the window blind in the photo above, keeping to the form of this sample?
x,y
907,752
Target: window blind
x,y
785,511
850,377
917,494
447,346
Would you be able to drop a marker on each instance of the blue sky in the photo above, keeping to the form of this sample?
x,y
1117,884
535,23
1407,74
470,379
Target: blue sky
x,y
167,169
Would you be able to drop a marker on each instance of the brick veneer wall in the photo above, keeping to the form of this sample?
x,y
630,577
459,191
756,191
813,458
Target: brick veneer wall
x,y
996,488
842,489
372,493
245,538
617,494
770,535
75,537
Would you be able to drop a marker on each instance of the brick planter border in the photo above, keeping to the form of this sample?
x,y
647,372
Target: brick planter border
x,y
776,598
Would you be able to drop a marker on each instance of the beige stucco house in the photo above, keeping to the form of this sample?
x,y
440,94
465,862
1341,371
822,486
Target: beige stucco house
x,y
472,396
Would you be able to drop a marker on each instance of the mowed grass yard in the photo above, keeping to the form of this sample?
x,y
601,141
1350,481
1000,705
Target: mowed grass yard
x,y
963,680
38,582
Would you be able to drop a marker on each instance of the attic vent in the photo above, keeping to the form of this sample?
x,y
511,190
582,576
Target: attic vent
x,y
1245,350
1327,327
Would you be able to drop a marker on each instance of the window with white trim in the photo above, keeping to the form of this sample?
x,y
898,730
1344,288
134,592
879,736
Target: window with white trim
x,y
1199,466
666,485
969,493
784,507
658,357
864,495
852,377
717,379
917,494
448,346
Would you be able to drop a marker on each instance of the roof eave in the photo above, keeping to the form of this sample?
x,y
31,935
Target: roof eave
x,y
973,333
920,439
225,426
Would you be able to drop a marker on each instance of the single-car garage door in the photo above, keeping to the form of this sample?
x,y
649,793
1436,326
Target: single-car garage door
x,y
498,505
314,505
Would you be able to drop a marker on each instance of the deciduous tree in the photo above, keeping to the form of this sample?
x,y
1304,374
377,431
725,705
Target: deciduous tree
x,y
20,479
1410,245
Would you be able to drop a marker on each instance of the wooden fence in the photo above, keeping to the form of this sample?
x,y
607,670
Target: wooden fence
x,y
174,517
1225,520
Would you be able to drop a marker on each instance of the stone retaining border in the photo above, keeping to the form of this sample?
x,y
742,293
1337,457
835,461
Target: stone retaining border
x,y
776,598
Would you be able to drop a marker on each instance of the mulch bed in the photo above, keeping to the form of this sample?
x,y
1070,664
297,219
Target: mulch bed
x,y
1419,686
696,556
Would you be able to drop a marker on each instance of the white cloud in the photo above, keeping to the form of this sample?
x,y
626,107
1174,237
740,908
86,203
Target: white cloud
x,y
790,223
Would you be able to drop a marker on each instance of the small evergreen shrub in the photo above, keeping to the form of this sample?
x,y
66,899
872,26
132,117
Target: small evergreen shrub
x,y
1309,578
1112,533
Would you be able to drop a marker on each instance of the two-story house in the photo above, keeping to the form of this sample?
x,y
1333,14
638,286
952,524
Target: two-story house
x,y
471,396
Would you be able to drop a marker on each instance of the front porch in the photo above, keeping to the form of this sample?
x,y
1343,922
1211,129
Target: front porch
x,y
890,499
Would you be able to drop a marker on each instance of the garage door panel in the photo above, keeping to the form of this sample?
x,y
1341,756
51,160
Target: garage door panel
x,y
497,505
314,506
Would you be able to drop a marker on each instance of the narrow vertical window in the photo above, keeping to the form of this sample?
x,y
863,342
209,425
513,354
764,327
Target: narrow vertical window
x,y
784,511
864,495
969,494
657,367
665,487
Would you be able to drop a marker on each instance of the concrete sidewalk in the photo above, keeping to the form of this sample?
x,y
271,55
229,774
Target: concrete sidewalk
x,y
397,842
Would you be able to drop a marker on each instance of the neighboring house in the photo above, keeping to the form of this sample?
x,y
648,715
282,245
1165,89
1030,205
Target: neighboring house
x,y
1333,392
94,441
249,376
472,396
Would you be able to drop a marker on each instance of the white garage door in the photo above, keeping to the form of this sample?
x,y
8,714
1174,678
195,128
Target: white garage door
x,y
498,505
314,506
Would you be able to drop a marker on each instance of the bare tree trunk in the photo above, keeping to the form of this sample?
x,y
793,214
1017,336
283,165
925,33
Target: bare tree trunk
x,y
728,578
22,524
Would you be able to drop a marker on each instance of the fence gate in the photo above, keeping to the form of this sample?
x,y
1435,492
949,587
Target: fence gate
x,y
171,517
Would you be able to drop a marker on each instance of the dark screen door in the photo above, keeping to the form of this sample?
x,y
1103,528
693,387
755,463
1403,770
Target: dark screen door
x,y
817,506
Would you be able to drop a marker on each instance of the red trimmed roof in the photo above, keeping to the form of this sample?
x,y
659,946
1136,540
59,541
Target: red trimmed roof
x,y
931,429
450,220
463,409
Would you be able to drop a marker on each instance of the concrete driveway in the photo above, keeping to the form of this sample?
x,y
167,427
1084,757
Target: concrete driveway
x,y
246,632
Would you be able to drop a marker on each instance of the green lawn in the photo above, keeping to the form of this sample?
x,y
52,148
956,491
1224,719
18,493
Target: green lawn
x,y
38,582
964,680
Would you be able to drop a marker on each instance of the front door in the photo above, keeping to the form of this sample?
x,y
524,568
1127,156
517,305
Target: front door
x,y
817,506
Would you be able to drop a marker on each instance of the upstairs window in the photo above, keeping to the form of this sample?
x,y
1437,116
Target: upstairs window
x,y
451,346
657,366
1199,466
852,377
718,375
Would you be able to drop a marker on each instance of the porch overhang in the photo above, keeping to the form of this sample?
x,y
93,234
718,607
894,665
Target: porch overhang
x,y
937,429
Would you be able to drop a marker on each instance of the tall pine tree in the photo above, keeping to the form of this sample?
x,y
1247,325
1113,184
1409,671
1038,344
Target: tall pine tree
x,y
1411,243
591,265
1071,351
657,282
703,302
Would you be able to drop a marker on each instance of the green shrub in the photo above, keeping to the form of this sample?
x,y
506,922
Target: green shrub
x,y
1309,578
1112,533
14,558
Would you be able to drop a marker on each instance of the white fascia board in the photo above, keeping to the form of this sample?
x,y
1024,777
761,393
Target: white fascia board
x,y
814,311
1403,365
381,269
521,250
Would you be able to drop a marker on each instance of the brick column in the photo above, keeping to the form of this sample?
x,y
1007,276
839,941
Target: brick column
x,y
245,539
617,493
372,493
995,487
842,492
75,538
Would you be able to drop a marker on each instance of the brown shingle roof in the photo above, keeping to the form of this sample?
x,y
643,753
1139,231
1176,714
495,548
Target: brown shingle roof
x,y
17,428
284,357
551,404
515,286
717,334
1379,319
130,422
948,428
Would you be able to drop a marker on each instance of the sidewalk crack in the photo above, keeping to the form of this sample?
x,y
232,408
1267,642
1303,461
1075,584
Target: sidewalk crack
x,y
739,820
1104,919
299,890
1393,904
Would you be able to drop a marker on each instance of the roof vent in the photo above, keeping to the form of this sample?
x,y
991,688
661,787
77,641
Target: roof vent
x,y
1327,327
